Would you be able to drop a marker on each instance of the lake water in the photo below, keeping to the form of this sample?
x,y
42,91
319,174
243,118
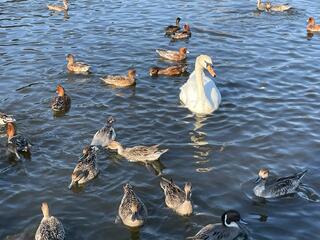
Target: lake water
x,y
268,75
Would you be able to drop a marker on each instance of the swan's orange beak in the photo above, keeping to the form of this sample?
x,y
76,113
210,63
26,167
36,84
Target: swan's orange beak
x,y
211,70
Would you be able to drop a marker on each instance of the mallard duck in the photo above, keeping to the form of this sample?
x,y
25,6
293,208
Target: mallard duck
x,y
50,227
184,34
62,102
16,143
86,168
173,55
121,81
276,8
105,135
228,229
138,153
76,67
312,26
5,118
65,7
169,71
173,28
279,187
132,210
175,198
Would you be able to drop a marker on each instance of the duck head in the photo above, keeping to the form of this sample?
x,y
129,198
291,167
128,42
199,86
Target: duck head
x,y
70,58
45,210
187,190
186,28
311,21
183,51
154,71
263,174
110,120
11,130
4,118
206,63
87,151
132,73
60,90
231,218
178,21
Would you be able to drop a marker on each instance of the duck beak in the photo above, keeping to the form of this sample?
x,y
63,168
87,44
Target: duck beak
x,y
257,180
211,70
71,184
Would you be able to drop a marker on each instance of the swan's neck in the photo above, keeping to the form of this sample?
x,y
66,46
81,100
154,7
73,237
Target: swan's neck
x,y
199,80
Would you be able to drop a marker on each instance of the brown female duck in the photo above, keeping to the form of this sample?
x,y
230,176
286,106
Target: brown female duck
x,y
173,55
121,81
76,67
312,26
169,71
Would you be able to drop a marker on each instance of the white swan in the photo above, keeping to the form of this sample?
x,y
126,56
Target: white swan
x,y
200,94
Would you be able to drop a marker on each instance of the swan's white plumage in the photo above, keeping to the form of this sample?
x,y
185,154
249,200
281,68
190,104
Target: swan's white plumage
x,y
200,98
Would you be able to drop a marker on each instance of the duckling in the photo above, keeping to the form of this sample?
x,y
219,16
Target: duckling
x,y
121,81
16,143
312,26
173,55
138,153
173,28
277,8
175,198
76,67
62,102
5,118
184,34
50,227
169,71
132,210
105,135
273,188
261,6
228,229
65,7
87,168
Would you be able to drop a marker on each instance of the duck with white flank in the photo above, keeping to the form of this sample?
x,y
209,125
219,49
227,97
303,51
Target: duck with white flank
x,y
105,135
132,210
278,187
62,102
16,143
50,227
228,229
175,198
87,168
138,153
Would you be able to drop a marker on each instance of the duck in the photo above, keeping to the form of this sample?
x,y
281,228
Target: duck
x,y
173,55
175,198
121,81
65,7
105,135
5,118
200,94
184,34
173,28
17,143
261,6
50,227
312,26
276,8
76,67
228,229
132,210
138,153
168,71
279,187
86,168
62,102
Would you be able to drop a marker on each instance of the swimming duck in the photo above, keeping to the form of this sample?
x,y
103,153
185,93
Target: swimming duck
x,y
121,81
105,135
279,187
173,55
184,34
173,28
76,67
50,227
16,143
175,198
138,153
65,7
228,229
5,118
200,94
261,6
276,8
169,71
312,26
132,210
62,102
86,168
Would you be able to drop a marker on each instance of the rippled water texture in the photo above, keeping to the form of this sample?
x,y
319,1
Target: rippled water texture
x,y
268,75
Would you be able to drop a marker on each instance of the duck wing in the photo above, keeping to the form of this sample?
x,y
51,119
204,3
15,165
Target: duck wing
x,y
173,193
